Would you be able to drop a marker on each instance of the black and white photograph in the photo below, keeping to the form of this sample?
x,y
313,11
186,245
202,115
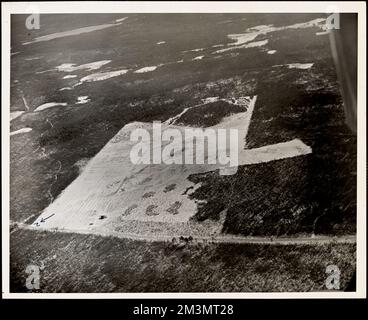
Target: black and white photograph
x,y
183,148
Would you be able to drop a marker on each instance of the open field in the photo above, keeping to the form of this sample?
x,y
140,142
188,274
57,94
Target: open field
x,y
76,95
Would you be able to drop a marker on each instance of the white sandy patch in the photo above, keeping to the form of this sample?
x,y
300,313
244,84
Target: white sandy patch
x,y
44,71
69,33
70,76
271,51
255,44
24,101
33,58
173,119
252,33
210,99
241,101
103,75
121,19
198,58
240,40
15,114
71,67
244,46
161,42
146,69
194,50
83,100
50,105
23,130
302,66
66,88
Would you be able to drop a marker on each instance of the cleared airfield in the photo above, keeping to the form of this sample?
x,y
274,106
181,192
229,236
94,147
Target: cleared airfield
x,y
114,196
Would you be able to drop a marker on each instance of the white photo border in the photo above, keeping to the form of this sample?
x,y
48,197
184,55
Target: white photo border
x,y
359,7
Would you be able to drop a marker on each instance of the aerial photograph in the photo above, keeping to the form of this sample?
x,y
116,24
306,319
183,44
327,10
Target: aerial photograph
x,y
181,152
